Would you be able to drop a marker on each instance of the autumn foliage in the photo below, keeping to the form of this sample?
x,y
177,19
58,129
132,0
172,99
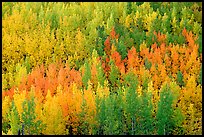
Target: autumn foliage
x,y
133,83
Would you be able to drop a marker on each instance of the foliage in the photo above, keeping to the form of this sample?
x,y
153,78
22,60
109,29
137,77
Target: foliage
x,y
31,125
120,68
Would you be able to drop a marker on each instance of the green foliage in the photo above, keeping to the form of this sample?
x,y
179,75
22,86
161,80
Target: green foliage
x,y
175,39
148,64
40,33
32,126
27,65
138,38
21,72
87,74
121,48
155,5
100,40
14,119
180,39
100,74
178,118
131,103
114,75
7,8
119,111
5,126
180,78
110,115
146,121
111,122
129,7
139,3
101,116
151,39
164,114
83,125
199,42
145,81
156,25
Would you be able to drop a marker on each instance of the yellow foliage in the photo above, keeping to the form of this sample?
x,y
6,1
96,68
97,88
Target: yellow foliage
x,y
139,91
128,21
148,20
18,100
191,105
6,105
52,116
8,133
103,92
143,46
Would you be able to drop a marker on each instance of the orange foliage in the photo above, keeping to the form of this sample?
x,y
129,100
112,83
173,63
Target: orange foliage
x,y
118,62
190,38
160,37
113,34
107,48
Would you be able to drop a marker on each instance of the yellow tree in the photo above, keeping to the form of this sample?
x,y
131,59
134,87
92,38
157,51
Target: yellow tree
x,y
52,116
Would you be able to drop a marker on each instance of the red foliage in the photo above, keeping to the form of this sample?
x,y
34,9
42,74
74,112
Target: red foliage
x,y
107,48
118,62
113,34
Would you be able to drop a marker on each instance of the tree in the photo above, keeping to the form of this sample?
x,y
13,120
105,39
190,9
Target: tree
x,y
87,74
14,119
164,114
31,125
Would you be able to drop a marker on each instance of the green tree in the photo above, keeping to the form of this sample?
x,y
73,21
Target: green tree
x,y
132,103
14,119
101,116
100,40
100,74
148,64
83,127
180,78
87,74
32,126
165,122
145,116
121,48
114,75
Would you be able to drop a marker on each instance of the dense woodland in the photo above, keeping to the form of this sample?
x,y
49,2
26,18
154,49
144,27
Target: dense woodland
x,y
102,68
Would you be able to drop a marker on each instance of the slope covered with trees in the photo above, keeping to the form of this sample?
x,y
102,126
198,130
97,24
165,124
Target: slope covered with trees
x,y
116,68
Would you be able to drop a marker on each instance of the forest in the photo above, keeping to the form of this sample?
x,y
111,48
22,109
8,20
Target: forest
x,y
102,68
